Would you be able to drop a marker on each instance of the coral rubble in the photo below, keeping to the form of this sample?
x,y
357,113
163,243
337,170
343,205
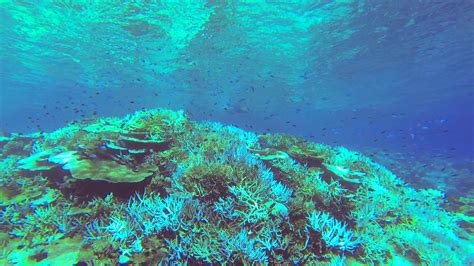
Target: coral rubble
x,y
155,187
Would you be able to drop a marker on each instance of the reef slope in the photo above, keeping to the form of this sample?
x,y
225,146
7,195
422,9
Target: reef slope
x,y
155,187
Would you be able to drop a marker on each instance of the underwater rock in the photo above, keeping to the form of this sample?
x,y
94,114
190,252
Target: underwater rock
x,y
154,187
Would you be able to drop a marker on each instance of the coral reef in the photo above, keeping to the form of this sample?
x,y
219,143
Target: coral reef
x,y
154,187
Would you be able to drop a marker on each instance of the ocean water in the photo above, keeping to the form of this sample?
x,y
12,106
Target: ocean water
x,y
392,80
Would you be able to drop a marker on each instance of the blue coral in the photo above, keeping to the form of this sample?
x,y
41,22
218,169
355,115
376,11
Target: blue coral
x,y
334,233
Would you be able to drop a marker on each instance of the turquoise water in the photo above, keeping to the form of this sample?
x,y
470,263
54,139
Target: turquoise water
x,y
354,68
391,79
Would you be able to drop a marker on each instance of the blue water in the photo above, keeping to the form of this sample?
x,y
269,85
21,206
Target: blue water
x,y
392,81
393,76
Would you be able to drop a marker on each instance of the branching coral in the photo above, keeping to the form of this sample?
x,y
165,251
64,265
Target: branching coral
x,y
334,233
